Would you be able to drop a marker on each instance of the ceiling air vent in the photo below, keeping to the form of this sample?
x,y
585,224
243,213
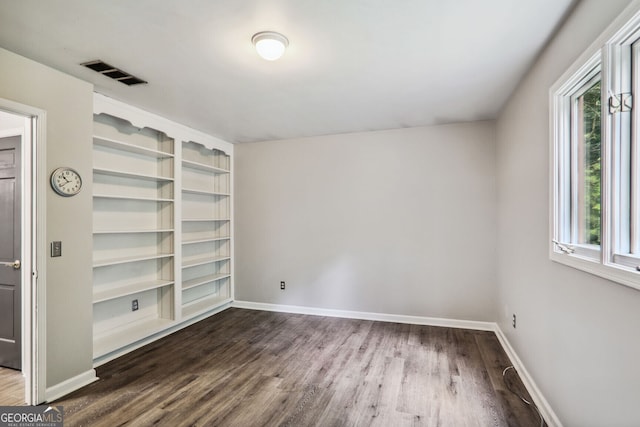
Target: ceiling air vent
x,y
113,72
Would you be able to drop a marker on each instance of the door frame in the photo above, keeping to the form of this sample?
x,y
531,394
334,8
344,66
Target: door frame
x,y
34,249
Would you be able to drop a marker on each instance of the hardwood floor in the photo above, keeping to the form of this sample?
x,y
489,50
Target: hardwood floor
x,y
11,387
254,368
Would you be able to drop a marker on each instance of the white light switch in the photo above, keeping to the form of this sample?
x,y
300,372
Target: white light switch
x,y
56,249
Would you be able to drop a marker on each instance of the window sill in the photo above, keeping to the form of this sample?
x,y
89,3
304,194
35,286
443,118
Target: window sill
x,y
623,275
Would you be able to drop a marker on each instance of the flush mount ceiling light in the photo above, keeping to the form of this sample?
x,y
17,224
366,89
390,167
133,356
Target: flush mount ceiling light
x,y
269,44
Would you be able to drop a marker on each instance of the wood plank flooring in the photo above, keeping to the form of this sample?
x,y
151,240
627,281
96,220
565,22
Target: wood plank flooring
x,y
11,387
254,368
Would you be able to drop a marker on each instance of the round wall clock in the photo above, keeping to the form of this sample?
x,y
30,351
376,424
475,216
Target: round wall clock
x,y
66,181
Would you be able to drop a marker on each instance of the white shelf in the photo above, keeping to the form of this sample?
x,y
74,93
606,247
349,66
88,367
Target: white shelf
x,y
204,192
204,219
130,289
200,166
203,305
120,197
121,337
204,280
144,182
124,260
205,240
138,231
131,148
123,174
195,261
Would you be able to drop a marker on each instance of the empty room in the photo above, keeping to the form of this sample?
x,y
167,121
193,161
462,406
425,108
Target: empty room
x,y
320,213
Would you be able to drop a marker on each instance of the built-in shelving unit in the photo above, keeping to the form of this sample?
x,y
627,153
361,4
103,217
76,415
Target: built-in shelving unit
x,y
206,227
162,244
133,242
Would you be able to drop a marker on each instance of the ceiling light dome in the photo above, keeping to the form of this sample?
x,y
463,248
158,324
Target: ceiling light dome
x,y
269,44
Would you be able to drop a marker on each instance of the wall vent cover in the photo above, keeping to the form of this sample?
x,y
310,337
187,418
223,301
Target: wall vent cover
x,y
112,72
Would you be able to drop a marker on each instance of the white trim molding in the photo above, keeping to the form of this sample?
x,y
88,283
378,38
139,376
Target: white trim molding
x,y
141,118
361,315
34,246
543,405
70,385
98,361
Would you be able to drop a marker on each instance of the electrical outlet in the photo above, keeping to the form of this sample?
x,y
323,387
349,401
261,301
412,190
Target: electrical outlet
x,y
513,320
282,285
134,305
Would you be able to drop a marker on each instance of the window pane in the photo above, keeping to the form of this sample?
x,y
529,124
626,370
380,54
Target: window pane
x,y
589,169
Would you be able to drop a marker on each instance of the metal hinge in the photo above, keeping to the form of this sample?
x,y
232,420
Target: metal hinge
x,y
620,103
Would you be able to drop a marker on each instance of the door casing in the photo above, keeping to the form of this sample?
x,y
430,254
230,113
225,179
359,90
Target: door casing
x,y
34,186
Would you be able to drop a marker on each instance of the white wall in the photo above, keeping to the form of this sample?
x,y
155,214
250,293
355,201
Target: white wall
x,y
398,222
10,122
577,334
401,222
69,106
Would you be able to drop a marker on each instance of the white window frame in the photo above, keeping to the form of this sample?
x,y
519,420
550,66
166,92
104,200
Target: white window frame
x,y
615,56
566,149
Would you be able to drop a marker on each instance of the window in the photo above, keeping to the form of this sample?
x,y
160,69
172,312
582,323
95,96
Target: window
x,y
586,114
595,157
578,163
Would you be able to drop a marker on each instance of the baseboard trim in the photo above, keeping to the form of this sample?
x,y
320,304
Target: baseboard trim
x,y
72,384
550,417
538,398
101,360
362,315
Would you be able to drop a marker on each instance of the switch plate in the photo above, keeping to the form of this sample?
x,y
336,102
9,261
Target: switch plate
x,y
56,249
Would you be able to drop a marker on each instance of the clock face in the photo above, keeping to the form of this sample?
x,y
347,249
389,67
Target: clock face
x,y
66,182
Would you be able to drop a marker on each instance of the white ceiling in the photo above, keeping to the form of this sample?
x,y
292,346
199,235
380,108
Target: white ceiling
x,y
351,65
